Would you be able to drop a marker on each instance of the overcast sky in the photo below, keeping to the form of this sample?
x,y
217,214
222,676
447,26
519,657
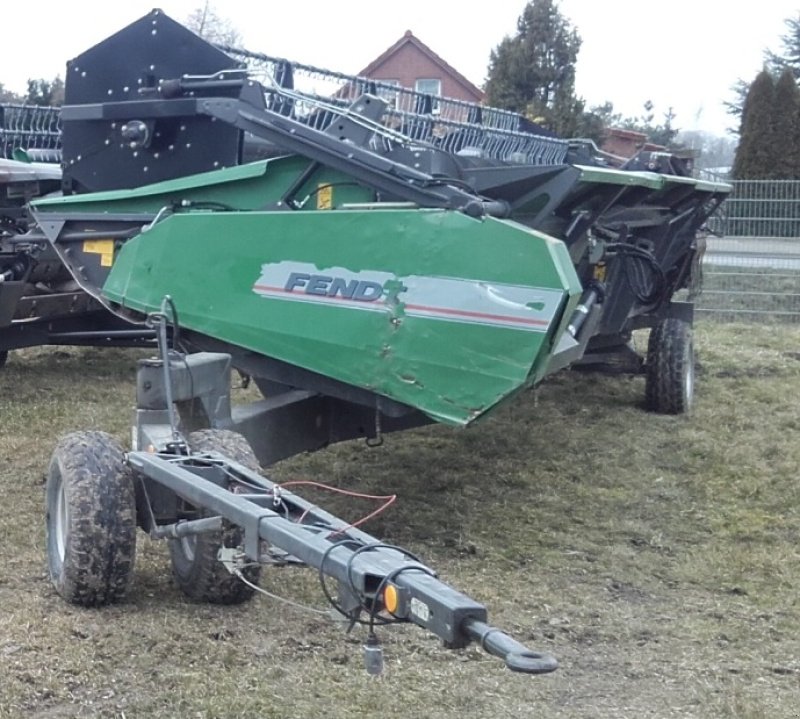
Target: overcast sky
x,y
631,52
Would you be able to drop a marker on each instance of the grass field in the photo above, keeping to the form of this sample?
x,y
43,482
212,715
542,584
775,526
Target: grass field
x,y
657,557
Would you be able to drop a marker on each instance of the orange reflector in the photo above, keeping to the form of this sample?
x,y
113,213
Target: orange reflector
x,y
390,598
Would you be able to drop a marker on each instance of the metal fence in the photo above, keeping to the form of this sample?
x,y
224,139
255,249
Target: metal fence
x,y
760,208
751,270
33,128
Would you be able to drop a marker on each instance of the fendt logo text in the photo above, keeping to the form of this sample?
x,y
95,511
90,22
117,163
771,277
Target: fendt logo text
x,y
417,297
330,286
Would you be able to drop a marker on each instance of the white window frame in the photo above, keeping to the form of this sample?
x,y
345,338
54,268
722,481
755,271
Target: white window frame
x,y
386,94
418,88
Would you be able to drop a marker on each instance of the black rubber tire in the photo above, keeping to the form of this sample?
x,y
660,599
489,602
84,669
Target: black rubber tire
x,y
3,358
669,387
90,523
195,567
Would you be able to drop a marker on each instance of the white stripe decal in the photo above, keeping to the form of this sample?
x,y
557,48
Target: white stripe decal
x,y
437,298
280,293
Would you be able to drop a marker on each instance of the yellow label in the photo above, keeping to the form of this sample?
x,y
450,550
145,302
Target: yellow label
x,y
325,197
104,248
600,272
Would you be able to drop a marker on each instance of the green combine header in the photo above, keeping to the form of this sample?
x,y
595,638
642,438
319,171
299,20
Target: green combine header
x,y
372,266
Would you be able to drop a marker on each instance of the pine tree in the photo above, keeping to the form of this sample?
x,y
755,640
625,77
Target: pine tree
x,y
757,152
790,58
785,120
734,106
533,72
774,62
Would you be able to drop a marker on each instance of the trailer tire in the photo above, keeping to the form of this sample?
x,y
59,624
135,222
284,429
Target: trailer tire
x,y
195,567
669,387
90,519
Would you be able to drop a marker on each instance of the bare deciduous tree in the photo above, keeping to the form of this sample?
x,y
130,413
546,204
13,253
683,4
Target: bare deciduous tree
x,y
211,26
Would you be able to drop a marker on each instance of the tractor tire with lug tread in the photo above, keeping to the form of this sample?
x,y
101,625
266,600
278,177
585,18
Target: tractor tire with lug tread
x,y
90,522
669,387
195,567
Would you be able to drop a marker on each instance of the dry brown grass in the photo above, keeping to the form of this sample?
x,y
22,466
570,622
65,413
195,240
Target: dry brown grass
x,y
657,557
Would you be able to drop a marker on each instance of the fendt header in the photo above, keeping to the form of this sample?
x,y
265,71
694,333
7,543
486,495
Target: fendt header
x,y
373,261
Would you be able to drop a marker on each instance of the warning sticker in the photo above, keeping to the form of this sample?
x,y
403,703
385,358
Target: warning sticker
x,y
104,248
419,609
325,197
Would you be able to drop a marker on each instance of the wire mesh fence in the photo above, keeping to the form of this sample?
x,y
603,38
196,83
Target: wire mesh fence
x,y
760,208
751,279
751,270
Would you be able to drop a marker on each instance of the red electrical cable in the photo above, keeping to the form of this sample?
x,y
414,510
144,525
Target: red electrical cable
x,y
390,498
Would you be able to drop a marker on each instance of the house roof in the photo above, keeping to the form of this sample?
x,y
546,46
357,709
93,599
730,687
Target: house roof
x,y
633,135
409,38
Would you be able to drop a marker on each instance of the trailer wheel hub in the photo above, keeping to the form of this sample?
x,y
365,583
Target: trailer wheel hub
x,y
188,546
61,521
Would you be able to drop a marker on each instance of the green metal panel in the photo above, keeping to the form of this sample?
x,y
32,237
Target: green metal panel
x,y
651,180
610,176
244,187
432,308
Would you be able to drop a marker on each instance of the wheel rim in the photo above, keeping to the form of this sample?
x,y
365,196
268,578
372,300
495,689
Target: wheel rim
x,y
61,520
688,384
188,546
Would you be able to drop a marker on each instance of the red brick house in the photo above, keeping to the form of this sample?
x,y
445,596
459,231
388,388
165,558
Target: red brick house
x,y
411,63
626,143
